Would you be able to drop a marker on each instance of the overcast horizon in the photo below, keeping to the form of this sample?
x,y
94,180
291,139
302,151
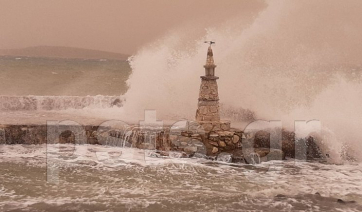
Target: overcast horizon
x,y
114,26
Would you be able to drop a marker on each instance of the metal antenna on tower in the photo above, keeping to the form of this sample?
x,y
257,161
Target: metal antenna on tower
x,y
210,42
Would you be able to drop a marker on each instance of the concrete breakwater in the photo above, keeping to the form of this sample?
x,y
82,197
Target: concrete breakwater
x,y
229,146
33,103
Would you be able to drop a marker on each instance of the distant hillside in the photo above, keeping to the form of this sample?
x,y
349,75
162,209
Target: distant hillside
x,y
62,52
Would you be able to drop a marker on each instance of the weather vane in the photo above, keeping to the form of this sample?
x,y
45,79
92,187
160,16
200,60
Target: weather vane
x,y
210,42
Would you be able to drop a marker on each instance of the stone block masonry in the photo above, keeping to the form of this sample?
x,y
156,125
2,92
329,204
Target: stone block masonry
x,y
208,111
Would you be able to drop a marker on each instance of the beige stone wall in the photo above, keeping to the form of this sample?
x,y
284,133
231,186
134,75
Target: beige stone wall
x,y
208,106
209,90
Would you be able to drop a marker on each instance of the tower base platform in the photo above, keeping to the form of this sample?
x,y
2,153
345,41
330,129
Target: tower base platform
x,y
215,125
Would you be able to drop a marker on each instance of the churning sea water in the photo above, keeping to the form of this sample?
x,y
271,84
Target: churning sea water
x,y
101,178
21,76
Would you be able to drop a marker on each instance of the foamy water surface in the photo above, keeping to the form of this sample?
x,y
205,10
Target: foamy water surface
x,y
101,178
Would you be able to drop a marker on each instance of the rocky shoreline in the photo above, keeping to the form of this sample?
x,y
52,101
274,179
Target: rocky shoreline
x,y
229,146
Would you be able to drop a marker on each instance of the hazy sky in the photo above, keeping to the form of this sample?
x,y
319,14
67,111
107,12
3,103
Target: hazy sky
x,y
111,25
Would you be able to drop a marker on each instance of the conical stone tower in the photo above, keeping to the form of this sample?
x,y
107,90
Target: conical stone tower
x,y
207,114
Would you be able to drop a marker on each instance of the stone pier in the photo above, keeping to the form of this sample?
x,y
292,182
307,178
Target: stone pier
x,y
208,136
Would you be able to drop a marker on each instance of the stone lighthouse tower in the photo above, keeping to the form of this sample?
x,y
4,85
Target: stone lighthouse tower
x,y
207,114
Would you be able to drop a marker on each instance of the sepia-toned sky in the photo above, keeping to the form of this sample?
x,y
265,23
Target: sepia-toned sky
x,y
112,25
